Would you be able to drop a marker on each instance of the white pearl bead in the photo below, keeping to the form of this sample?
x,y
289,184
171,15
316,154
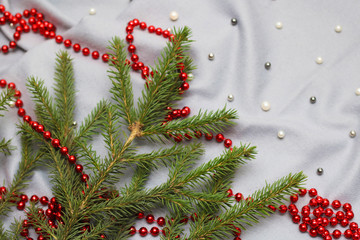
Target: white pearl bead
x,y
74,123
279,25
12,25
357,91
211,56
230,98
338,28
169,29
12,104
319,60
190,76
174,16
265,106
92,11
281,134
352,134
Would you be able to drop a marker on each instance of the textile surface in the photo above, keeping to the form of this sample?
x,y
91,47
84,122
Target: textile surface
x,y
317,135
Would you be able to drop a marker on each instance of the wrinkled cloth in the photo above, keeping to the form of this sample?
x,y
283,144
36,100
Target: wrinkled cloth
x,y
317,135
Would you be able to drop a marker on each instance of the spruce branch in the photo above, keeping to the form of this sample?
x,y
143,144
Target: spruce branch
x,y
5,146
45,109
119,75
64,90
247,212
5,98
162,88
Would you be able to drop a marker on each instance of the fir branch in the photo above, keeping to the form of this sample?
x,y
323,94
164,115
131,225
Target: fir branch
x,y
5,146
5,98
174,228
45,110
119,75
64,90
163,87
205,122
247,212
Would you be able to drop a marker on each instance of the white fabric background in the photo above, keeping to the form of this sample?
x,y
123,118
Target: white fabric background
x,y
317,135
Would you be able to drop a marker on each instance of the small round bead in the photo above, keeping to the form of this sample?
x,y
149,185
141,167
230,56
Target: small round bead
x,y
3,83
320,171
161,221
238,197
150,218
86,51
143,231
19,103
79,168
227,143
303,227
77,47
191,77
349,215
12,85
154,231
5,49
281,134
319,60
34,199
230,97
132,230
17,94
357,92
312,99
158,31
92,11
234,21
348,233
44,200
21,112
64,150
183,76
336,204
174,16
84,177
27,118
95,54
265,106
151,29
336,234
105,57
143,26
40,128
72,159
59,39
219,137
185,86
211,56
209,136
279,25
312,192
338,28
55,142
352,133
229,192
267,65
21,205
47,135
67,43
12,104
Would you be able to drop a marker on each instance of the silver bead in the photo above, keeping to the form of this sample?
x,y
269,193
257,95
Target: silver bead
x,y
211,56
92,11
281,134
230,98
74,123
267,65
233,21
312,99
320,171
352,133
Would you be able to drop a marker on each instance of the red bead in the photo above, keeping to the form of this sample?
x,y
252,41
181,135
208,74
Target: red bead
x,y
333,221
273,208
348,233
5,49
129,38
131,23
19,103
184,113
349,215
17,94
356,236
347,207
340,215
208,136
183,76
34,125
21,205
151,29
26,29
161,221
72,159
131,48
314,223
313,202
238,197
2,8
44,200
24,198
47,135
336,204
86,51
134,58
77,47
49,212
136,22
166,34
24,232
303,227
95,54
325,222
219,137
40,128
185,86
227,143
34,199
129,29
143,231
2,20
312,192
320,230
141,215
79,168
132,230
230,192
143,25
55,142
329,212
103,236
27,118
12,85
17,36
154,231
198,134
64,150
282,209
12,44
84,177
67,43
105,57
344,222
313,232
150,218
3,83
306,220
59,39
19,29
325,203
21,112
158,31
